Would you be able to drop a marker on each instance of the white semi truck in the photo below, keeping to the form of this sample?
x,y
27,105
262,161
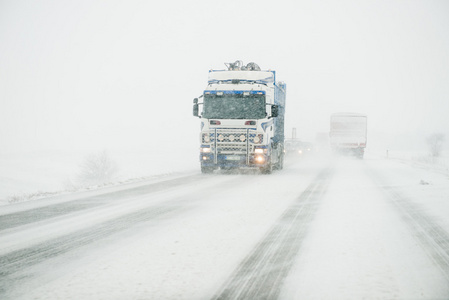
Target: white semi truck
x,y
242,119
348,133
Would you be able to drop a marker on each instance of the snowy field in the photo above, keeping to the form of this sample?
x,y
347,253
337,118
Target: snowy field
x,y
319,229
25,176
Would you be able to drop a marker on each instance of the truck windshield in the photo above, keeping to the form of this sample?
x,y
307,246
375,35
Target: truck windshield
x,y
234,106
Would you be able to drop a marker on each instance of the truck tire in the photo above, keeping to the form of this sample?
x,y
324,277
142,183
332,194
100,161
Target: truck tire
x,y
268,169
207,170
281,161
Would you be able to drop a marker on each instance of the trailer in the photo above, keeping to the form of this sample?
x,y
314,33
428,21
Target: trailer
x,y
348,133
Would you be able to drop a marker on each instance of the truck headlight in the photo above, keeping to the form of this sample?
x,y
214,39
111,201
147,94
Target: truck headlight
x,y
260,159
205,150
258,150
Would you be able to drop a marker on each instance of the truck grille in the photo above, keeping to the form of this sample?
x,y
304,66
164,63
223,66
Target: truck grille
x,y
231,149
232,137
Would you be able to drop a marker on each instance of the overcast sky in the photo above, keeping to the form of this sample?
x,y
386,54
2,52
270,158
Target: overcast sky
x,y
105,74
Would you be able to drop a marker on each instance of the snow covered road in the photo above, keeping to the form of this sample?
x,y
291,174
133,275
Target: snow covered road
x,y
319,229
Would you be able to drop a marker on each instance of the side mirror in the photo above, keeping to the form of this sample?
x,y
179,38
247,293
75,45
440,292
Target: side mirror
x,y
274,111
195,100
195,109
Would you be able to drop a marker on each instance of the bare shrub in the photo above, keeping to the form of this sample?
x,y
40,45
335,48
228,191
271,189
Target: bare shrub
x,y
97,169
435,142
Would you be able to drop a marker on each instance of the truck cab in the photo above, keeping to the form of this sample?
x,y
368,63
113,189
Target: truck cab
x,y
242,119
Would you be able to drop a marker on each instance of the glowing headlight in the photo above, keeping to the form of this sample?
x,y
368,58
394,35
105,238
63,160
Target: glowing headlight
x,y
205,150
260,159
206,138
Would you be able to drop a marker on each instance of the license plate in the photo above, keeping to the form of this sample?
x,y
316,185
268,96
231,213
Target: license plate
x,y
232,157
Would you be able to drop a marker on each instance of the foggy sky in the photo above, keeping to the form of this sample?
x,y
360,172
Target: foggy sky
x,y
104,74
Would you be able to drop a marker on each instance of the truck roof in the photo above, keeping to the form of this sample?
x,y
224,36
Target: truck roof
x,y
347,114
264,77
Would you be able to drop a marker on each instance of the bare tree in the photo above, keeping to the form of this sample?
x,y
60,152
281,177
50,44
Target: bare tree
x,y
97,169
435,142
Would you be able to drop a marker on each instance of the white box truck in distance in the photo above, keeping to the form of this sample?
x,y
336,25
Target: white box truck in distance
x,y
348,133
242,119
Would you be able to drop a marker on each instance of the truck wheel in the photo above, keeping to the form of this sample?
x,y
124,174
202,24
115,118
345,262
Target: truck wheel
x,y
360,152
281,162
207,170
268,169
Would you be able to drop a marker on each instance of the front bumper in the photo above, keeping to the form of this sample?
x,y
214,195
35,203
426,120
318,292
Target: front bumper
x,y
234,161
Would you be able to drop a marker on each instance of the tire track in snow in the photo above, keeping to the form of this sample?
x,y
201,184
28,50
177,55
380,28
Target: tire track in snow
x,y
17,266
433,238
262,272
12,264
60,209
429,234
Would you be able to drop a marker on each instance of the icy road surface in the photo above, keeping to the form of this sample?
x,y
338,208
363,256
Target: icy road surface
x,y
319,229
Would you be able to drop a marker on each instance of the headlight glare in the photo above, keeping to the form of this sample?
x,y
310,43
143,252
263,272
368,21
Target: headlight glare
x,y
260,159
